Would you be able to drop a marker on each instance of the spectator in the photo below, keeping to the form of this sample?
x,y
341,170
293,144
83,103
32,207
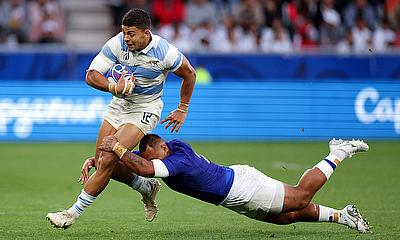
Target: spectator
x,y
276,39
167,12
225,7
248,39
119,7
361,36
393,12
307,33
298,18
199,12
225,37
47,21
331,31
13,21
383,37
397,37
346,45
202,37
179,34
249,14
360,8
271,11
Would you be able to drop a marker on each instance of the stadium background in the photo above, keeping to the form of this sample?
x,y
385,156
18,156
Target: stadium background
x,y
270,109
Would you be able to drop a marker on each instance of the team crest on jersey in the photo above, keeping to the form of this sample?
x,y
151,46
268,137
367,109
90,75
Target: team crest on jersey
x,y
153,62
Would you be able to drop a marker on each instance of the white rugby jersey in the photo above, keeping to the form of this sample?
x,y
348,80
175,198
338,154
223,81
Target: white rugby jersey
x,y
149,66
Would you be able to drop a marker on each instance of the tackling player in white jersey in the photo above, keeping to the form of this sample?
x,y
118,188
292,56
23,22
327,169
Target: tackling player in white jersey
x,y
135,108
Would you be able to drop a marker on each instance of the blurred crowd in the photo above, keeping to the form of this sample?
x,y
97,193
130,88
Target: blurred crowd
x,y
273,26
230,26
35,21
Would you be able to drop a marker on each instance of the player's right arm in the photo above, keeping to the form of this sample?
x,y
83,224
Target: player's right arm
x,y
97,80
105,60
137,164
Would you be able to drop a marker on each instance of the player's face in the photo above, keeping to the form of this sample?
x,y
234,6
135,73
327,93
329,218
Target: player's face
x,y
136,38
158,152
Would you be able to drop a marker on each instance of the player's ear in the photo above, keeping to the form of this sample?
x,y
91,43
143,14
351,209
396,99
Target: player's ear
x,y
147,32
164,147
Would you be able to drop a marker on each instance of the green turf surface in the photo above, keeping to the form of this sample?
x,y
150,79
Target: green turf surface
x,y
38,178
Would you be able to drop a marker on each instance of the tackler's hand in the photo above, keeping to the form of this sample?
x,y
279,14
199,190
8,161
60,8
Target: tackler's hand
x,y
87,165
108,143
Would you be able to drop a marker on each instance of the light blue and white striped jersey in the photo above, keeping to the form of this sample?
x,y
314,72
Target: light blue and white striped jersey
x,y
149,66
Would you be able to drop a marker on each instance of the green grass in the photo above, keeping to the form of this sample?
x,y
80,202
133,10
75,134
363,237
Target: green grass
x,y
38,178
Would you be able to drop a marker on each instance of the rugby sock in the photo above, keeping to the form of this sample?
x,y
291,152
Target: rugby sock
x,y
140,184
83,201
327,214
329,164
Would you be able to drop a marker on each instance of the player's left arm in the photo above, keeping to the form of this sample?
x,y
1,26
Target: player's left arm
x,y
178,116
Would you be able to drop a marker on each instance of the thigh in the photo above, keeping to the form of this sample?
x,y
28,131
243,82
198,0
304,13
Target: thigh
x,y
129,135
144,121
254,194
145,116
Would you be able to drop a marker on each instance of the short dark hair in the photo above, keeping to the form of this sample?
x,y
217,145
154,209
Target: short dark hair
x,y
149,140
137,18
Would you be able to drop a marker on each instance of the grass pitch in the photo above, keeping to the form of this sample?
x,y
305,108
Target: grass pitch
x,y
38,178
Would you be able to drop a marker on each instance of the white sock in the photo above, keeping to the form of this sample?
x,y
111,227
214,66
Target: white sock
x,y
140,184
326,167
327,214
329,164
339,155
83,201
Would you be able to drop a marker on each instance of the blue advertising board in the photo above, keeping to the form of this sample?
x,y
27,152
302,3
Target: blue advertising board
x,y
72,65
275,110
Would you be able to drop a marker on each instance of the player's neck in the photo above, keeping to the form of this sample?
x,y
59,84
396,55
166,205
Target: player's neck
x,y
145,46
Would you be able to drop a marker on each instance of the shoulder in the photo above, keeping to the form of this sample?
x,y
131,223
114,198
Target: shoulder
x,y
116,43
161,48
115,47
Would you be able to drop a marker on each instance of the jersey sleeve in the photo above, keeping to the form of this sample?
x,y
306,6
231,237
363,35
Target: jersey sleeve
x,y
160,170
107,57
175,164
173,59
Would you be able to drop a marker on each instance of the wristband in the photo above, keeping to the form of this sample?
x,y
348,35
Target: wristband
x,y
181,110
128,88
112,88
184,104
119,149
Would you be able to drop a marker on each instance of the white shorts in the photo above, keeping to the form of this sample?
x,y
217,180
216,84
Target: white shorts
x,y
144,115
254,194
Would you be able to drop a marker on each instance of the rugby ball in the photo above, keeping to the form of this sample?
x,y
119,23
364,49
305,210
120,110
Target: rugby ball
x,y
115,73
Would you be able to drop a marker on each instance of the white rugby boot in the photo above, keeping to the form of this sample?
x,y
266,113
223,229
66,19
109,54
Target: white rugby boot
x,y
348,147
354,220
149,200
61,219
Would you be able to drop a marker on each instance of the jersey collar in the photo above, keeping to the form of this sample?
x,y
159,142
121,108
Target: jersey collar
x,y
150,45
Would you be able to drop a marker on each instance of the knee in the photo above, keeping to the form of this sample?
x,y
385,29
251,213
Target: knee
x,y
296,198
106,159
303,198
288,218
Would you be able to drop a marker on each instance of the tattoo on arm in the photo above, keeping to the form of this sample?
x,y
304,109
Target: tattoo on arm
x,y
135,160
138,164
